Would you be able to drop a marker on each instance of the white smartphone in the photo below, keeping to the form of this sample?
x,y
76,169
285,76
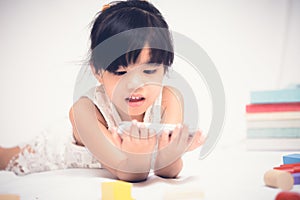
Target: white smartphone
x,y
158,128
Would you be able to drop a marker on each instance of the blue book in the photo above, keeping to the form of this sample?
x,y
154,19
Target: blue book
x,y
275,96
273,133
291,158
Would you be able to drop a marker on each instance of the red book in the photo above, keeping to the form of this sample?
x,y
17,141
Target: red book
x,y
289,169
290,165
273,107
292,168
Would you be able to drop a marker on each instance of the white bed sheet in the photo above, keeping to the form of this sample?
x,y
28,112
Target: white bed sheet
x,y
227,173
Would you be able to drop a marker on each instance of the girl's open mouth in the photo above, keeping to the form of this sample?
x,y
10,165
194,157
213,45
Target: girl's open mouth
x,y
135,101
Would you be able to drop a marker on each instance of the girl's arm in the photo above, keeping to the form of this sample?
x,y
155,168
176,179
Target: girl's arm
x,y
90,130
172,107
172,147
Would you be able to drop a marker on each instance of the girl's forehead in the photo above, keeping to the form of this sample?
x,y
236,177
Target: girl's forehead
x,y
142,60
144,56
139,66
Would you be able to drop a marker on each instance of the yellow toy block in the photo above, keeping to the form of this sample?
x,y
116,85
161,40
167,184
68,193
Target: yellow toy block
x,y
117,190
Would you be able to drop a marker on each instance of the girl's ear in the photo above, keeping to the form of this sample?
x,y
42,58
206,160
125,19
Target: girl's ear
x,y
97,74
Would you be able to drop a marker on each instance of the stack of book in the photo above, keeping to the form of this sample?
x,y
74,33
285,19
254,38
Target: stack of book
x,y
273,120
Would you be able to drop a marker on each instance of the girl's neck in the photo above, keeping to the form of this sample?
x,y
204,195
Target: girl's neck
x,y
139,118
126,117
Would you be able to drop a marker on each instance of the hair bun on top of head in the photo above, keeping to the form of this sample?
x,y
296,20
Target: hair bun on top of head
x,y
131,3
104,7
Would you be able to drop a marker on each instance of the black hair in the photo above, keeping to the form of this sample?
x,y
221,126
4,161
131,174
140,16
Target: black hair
x,y
123,16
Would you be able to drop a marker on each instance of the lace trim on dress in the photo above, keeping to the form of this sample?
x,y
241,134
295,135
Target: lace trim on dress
x,y
56,149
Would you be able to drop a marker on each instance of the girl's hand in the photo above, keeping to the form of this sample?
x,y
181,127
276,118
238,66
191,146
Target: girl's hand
x,y
197,140
138,145
138,140
172,146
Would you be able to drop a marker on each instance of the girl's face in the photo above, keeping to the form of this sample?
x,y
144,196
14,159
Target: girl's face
x,y
134,88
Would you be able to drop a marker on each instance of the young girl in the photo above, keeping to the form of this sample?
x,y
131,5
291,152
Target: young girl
x,y
130,89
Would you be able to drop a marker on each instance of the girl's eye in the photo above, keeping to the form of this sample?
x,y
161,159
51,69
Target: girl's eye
x,y
119,73
150,71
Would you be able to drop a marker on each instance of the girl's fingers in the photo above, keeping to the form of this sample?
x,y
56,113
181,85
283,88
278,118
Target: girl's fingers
x,y
201,139
143,132
116,139
151,133
197,140
147,135
152,137
183,140
134,130
175,136
164,139
184,136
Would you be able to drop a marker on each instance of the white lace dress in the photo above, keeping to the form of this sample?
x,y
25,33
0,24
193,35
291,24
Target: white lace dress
x,y
55,147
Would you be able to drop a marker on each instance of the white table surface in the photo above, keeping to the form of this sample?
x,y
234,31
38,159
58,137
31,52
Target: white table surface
x,y
229,172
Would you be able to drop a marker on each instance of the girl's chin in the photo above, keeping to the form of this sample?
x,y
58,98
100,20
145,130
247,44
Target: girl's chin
x,y
133,112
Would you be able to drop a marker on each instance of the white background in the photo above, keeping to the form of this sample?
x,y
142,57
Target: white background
x,y
254,44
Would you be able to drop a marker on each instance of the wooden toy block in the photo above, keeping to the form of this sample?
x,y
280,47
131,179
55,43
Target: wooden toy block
x,y
279,179
291,158
294,169
9,197
284,195
117,190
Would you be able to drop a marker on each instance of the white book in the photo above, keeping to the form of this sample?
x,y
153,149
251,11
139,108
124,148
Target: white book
x,y
284,123
272,116
273,144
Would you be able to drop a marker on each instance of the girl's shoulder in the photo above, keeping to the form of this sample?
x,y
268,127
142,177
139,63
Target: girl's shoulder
x,y
172,105
171,96
171,93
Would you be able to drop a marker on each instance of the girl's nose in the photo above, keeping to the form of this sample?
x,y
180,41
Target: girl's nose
x,y
134,81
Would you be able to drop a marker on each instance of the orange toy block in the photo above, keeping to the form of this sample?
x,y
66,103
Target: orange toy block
x,y
9,197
